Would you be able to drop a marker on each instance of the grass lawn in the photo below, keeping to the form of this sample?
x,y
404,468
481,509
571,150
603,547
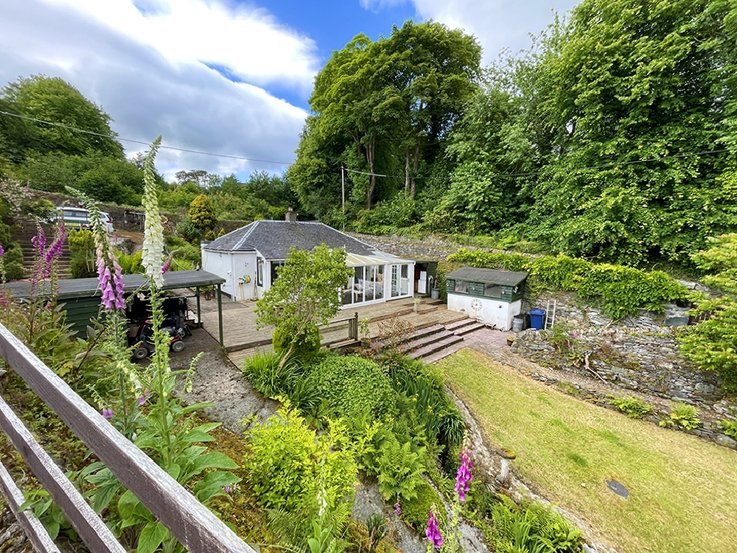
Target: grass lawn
x,y
683,489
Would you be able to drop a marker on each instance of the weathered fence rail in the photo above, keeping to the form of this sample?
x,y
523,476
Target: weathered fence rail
x,y
188,520
339,330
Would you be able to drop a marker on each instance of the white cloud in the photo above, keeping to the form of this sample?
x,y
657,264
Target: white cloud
x,y
149,91
497,24
247,40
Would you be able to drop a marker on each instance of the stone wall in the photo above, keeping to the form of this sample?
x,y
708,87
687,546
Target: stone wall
x,y
647,362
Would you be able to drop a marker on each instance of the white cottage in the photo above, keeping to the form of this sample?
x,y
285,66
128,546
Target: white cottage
x,y
248,257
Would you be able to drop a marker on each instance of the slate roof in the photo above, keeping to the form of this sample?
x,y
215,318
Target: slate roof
x,y
488,276
274,239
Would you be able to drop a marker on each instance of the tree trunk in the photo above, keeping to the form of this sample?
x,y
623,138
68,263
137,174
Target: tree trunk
x,y
415,168
370,151
406,171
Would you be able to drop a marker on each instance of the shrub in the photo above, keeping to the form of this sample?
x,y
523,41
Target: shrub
x,y
13,262
435,411
353,388
729,428
268,376
387,216
398,465
82,249
489,260
187,230
131,263
683,416
532,527
633,407
304,348
290,467
415,510
713,342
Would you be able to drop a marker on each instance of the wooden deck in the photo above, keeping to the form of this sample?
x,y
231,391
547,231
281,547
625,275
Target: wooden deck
x,y
242,338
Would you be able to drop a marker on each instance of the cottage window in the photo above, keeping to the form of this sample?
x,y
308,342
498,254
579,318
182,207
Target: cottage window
x,y
260,271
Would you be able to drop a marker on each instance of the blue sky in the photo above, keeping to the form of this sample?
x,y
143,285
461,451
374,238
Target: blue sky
x,y
224,76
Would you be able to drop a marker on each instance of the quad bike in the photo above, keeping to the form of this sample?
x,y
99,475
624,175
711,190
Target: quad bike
x,y
175,324
145,343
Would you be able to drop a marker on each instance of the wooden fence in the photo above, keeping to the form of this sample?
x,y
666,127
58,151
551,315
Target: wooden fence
x,y
186,518
339,332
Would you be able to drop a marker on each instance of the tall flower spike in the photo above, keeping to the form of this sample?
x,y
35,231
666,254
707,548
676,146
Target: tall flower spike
x,y
464,476
153,238
433,531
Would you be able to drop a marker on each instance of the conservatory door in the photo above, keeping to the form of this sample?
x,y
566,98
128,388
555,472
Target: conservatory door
x,y
399,282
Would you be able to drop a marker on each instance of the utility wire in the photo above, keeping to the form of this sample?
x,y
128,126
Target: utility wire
x,y
593,167
175,148
213,154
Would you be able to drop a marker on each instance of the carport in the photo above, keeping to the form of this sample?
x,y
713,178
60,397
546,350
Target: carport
x,y
81,296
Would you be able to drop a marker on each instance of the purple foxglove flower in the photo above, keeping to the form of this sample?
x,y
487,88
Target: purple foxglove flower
x,y
108,296
141,401
107,413
464,476
397,509
167,265
433,531
2,250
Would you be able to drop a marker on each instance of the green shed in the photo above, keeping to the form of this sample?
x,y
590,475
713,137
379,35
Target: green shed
x,y
81,296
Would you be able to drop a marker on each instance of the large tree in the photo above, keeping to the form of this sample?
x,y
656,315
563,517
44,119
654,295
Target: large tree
x,y
637,106
383,107
51,99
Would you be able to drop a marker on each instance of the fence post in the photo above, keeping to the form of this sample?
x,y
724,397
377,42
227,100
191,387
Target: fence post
x,y
354,327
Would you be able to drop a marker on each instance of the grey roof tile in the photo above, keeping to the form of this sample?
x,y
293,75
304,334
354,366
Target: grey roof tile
x,y
274,239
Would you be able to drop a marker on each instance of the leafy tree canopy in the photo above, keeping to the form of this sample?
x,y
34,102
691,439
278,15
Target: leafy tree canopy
x,y
53,99
305,294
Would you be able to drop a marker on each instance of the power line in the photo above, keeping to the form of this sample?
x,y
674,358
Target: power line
x,y
592,167
175,148
243,158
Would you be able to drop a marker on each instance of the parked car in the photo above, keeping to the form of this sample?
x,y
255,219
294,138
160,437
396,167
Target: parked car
x,y
78,217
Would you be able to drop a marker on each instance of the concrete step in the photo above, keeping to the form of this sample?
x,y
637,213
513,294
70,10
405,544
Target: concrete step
x,y
467,329
455,325
418,342
435,347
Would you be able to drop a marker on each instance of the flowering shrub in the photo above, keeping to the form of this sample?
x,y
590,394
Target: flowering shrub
x,y
145,409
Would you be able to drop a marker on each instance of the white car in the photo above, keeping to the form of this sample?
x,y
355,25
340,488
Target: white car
x,y
78,217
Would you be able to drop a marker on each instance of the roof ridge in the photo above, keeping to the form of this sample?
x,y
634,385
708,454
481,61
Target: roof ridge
x,y
351,237
245,236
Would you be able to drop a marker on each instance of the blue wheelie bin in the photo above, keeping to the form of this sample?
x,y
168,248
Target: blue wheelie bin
x,y
537,319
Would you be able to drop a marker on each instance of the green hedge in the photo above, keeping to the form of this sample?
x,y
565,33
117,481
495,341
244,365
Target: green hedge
x,y
621,290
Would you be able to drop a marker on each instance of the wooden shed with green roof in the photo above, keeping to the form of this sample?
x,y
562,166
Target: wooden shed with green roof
x,y
490,296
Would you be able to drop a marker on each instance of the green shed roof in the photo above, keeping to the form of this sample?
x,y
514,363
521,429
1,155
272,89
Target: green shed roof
x,y
488,276
89,287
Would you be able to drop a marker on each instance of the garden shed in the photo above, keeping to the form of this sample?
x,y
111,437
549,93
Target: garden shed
x,y
81,296
248,258
490,296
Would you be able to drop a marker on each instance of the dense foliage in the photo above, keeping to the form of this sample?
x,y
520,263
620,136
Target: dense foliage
x,y
712,344
621,290
613,139
383,107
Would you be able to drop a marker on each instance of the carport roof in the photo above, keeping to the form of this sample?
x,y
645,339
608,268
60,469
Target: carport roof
x,y
89,287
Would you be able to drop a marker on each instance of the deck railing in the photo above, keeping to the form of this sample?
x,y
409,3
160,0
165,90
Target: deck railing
x,y
339,331
187,519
